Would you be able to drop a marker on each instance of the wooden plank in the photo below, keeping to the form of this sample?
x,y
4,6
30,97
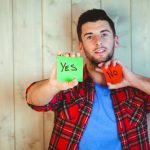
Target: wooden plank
x,y
6,75
56,31
56,36
78,7
27,68
119,11
141,36
141,39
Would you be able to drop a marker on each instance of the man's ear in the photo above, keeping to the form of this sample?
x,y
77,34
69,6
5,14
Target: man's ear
x,y
116,41
80,46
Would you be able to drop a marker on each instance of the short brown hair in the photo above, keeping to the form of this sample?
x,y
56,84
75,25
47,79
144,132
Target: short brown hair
x,y
93,15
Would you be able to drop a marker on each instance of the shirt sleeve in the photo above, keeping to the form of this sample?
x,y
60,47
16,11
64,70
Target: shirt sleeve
x,y
148,103
146,99
52,105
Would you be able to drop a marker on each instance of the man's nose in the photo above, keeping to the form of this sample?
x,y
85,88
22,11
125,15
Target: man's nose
x,y
98,40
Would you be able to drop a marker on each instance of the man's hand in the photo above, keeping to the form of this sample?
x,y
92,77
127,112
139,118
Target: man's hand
x,y
59,86
126,73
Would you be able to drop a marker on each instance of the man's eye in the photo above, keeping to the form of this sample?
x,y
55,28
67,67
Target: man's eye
x,y
104,35
89,37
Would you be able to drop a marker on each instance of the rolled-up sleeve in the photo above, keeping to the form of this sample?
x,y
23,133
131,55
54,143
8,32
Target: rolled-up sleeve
x,y
148,103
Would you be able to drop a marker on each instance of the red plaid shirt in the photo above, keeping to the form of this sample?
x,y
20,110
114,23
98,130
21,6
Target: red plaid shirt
x,y
73,107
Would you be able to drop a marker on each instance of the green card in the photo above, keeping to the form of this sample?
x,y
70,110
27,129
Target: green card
x,y
69,68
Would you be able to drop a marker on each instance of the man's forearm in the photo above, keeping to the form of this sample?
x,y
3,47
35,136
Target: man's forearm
x,y
142,83
40,93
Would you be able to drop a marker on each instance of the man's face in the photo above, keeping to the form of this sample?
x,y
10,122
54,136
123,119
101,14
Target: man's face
x,y
98,42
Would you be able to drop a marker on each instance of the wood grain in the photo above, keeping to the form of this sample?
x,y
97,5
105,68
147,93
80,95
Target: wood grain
x,y
6,74
27,68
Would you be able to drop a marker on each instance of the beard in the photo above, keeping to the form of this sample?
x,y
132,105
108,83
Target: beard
x,y
95,61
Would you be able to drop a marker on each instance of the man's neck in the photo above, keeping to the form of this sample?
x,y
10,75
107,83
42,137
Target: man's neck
x,y
96,76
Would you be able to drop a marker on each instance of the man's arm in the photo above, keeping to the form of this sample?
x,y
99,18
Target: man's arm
x,y
42,92
132,79
142,83
129,78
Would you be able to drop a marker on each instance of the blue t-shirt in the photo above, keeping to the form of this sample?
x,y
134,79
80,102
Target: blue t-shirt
x,y
101,130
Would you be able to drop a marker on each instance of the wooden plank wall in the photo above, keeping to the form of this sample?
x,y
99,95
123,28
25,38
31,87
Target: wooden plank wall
x,y
27,40
32,32
7,79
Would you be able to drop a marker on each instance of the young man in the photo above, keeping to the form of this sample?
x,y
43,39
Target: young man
x,y
94,114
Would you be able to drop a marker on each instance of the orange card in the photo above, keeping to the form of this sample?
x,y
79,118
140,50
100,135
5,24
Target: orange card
x,y
113,74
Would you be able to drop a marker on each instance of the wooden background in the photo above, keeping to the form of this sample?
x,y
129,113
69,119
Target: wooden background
x,y
31,33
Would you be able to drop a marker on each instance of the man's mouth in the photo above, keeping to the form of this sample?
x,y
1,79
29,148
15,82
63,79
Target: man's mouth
x,y
100,50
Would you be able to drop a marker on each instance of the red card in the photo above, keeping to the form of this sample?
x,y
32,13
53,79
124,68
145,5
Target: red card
x,y
113,74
